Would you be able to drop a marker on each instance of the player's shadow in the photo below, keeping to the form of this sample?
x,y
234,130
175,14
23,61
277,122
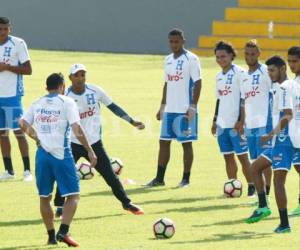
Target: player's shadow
x,y
245,235
31,247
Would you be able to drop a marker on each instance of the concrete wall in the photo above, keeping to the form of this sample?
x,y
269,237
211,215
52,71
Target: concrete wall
x,y
133,26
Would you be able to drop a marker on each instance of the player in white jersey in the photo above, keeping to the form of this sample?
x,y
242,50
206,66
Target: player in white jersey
x,y
178,110
226,122
255,93
294,64
49,121
14,63
89,99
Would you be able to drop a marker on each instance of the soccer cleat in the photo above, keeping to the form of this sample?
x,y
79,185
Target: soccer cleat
x,y
251,191
52,242
59,212
67,239
155,183
7,176
183,184
27,176
259,214
296,211
133,209
282,229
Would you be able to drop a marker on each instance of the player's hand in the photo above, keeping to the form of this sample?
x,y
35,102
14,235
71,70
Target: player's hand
x,y
265,138
214,129
239,127
3,67
138,125
160,113
190,114
93,158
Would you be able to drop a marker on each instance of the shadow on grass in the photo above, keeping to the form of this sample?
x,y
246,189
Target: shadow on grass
x,y
32,247
246,235
39,221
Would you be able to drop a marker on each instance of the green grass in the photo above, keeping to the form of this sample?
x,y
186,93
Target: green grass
x,y
203,218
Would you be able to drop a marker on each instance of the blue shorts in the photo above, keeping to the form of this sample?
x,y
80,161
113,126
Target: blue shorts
x,y
231,142
254,144
49,169
10,112
284,155
175,126
267,154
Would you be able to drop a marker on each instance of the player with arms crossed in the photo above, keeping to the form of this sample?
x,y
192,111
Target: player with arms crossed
x,y
178,109
88,98
226,122
48,121
14,63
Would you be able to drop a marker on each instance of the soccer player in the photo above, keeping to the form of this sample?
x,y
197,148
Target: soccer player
x,y
178,109
48,121
14,63
286,150
294,64
255,93
226,122
88,98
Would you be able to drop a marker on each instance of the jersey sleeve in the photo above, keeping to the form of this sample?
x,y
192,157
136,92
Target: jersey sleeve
x,y
72,112
195,69
29,115
242,78
285,98
165,71
23,54
216,89
103,97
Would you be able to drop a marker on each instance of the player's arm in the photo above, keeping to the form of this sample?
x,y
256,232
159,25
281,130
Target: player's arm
x,y
79,133
29,130
23,69
118,111
214,123
196,94
239,126
161,110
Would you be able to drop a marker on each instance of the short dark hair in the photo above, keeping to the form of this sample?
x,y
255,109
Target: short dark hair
x,y
294,51
227,46
252,44
54,81
276,60
176,32
4,20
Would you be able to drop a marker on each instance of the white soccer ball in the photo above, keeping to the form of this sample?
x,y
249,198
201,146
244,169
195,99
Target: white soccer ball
x,y
117,165
85,171
164,228
233,188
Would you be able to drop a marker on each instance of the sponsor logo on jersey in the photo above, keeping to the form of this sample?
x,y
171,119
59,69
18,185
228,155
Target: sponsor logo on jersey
x,y
225,92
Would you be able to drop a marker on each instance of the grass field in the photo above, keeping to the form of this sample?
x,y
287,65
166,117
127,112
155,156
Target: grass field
x,y
203,218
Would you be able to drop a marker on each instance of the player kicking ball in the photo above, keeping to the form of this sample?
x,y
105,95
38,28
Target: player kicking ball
x,y
88,98
178,109
48,121
227,124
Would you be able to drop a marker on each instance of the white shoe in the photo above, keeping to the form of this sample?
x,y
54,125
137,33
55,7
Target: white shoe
x,y
7,176
27,176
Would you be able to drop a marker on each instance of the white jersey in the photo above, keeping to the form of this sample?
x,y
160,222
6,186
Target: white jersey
x,y
180,75
51,116
13,52
290,99
228,87
275,103
89,110
297,79
255,89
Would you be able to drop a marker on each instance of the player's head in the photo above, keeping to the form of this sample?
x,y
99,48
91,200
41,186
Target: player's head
x,y
276,68
294,59
252,53
77,74
56,83
225,54
4,28
176,40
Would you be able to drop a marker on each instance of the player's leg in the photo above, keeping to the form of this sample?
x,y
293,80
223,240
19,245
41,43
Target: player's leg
x,y
231,166
296,211
48,218
6,155
188,157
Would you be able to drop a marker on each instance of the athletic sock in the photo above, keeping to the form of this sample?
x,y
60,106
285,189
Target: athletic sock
x,y
186,176
26,163
284,220
51,235
63,229
160,175
262,201
299,199
8,165
268,190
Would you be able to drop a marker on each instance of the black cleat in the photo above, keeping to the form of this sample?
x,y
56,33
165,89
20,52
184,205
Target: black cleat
x,y
154,183
52,242
67,239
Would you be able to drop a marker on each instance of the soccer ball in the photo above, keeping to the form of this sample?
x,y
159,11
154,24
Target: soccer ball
x,y
164,228
117,165
85,171
233,188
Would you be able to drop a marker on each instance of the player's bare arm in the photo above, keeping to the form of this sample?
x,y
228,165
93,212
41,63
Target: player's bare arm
x,y
23,69
160,112
196,95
